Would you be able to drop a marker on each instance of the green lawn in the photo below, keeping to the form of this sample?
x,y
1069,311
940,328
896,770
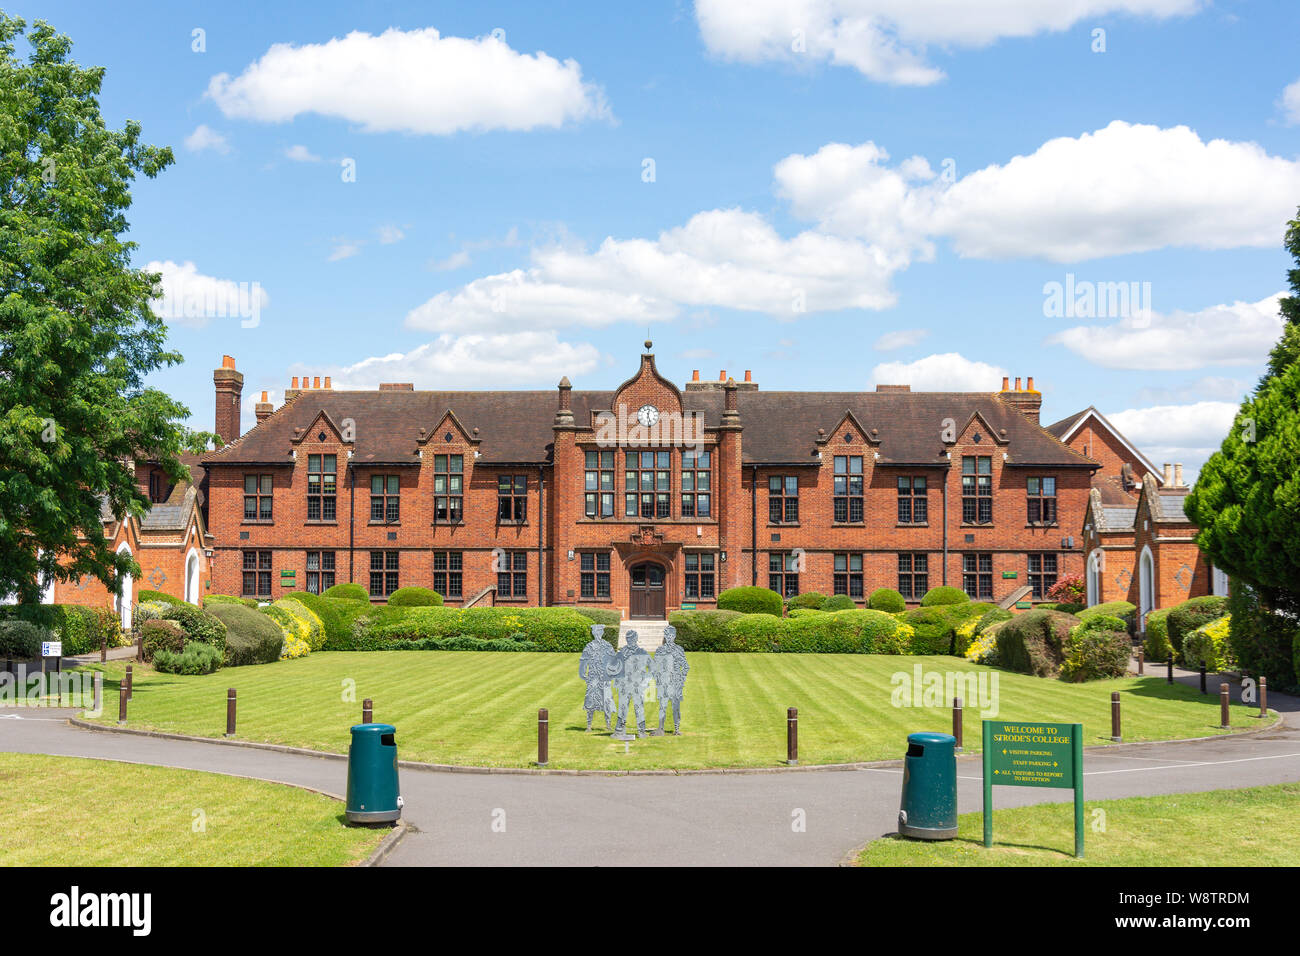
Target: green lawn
x,y
71,811
1254,826
480,708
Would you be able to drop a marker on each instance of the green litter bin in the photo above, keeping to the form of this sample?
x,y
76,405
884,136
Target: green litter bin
x,y
929,807
372,775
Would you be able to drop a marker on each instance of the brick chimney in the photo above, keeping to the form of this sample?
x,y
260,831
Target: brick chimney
x,y
395,386
1028,399
893,388
263,409
229,390
564,404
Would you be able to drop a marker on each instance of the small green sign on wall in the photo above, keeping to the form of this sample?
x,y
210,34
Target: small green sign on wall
x,y
1009,574
288,579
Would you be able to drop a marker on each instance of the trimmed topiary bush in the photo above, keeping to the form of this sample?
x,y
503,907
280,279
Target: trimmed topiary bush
x,y
303,630
335,626
147,595
1155,645
839,602
812,599
198,625
1186,617
935,627
1210,643
1095,651
703,630
990,617
210,599
887,600
353,592
1034,642
750,600
755,633
22,640
601,615
843,632
944,595
551,628
1123,610
195,659
159,635
415,597
251,636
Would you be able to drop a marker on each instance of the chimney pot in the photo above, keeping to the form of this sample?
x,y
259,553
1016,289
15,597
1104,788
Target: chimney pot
x,y
227,361
327,381
295,381
1017,383
315,382
749,376
264,395
1006,383
695,375
1169,473
1030,386
1178,473
722,376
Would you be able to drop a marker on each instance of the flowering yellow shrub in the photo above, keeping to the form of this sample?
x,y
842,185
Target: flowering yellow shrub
x,y
984,648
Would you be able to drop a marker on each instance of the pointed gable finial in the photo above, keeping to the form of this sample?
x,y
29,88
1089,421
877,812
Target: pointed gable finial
x,y
648,345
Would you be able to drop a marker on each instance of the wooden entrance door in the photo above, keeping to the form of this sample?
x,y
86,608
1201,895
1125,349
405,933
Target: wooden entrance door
x,y
648,598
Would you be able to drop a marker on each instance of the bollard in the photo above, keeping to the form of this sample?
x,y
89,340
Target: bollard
x,y
1263,697
58,677
129,688
1170,678
1115,733
1142,657
367,711
1203,690
956,722
122,698
230,712
543,737
139,649
792,736
103,649
1223,707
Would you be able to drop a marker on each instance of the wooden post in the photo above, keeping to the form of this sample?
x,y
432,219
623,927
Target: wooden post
x,y
103,649
1142,659
139,649
1170,678
956,721
1263,696
367,711
230,712
792,736
1115,733
1223,707
58,677
1203,690
543,734
129,688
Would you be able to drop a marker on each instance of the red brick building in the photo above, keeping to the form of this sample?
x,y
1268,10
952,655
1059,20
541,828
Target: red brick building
x,y
646,498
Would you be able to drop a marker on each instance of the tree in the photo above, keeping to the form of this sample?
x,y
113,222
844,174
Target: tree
x,y
77,335
1247,498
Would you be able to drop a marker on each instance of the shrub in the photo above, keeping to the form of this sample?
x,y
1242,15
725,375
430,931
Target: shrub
x,y
843,632
197,658
251,636
335,626
1094,651
551,628
210,599
804,611
350,613
81,629
812,599
944,595
354,592
294,629
1210,643
147,611
1262,640
750,600
1064,607
703,630
314,633
198,625
755,632
1102,622
601,615
991,617
1123,610
1155,645
1069,590
415,597
888,600
935,627
1186,617
161,635
22,639
984,648
147,595
1034,642
839,602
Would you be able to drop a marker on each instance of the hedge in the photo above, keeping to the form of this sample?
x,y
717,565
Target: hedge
x,y
888,600
197,658
839,602
703,630
1210,643
198,625
1121,609
1034,642
601,615
251,636
812,599
1066,607
303,629
1095,651
147,595
159,635
935,627
415,597
750,600
944,595
81,629
1156,646
22,639
552,628
354,592
1264,642
1186,617
803,611
211,599
756,632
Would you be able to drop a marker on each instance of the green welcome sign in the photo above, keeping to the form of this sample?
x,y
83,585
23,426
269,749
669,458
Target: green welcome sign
x,y
1031,754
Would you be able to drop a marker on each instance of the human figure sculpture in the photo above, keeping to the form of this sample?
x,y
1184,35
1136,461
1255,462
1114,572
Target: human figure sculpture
x,y
593,667
669,669
630,671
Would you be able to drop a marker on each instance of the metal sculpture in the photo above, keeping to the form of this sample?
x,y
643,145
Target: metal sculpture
x,y
630,671
594,668
669,669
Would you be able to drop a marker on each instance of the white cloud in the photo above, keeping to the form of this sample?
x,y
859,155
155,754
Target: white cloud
x,y
724,257
301,154
205,137
455,361
1238,334
414,82
886,40
1122,189
344,249
1177,433
193,299
457,260
1290,103
900,338
943,372
390,234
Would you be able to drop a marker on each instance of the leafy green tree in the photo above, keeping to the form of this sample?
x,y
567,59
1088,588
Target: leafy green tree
x,y
1247,498
77,335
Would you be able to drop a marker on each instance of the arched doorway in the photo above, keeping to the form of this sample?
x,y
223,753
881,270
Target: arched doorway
x,y
1094,578
192,577
1146,586
648,597
123,601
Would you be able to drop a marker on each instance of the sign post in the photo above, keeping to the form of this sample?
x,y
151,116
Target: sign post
x,y
1033,755
51,649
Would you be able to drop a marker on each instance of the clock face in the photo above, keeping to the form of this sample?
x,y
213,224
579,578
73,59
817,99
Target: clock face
x,y
647,415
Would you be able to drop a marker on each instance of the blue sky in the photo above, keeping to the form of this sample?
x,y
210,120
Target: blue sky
x,y
835,197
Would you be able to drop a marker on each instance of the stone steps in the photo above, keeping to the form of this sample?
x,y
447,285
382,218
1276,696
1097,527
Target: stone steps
x,y
650,634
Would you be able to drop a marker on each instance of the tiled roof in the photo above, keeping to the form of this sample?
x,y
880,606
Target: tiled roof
x,y
516,426
1113,492
1173,507
1065,424
1117,519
